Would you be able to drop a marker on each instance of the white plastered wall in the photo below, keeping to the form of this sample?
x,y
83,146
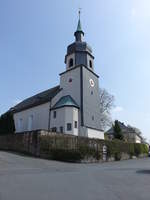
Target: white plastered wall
x,y
92,133
71,88
40,118
137,139
65,115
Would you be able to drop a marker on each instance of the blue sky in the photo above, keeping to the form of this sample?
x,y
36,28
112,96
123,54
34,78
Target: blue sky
x,y
34,35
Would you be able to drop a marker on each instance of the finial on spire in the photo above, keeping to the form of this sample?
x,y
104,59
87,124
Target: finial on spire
x,y
79,12
79,33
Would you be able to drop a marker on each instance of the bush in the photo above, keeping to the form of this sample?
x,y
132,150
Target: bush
x,y
44,144
7,125
138,149
131,151
66,155
116,147
145,149
89,152
117,156
71,149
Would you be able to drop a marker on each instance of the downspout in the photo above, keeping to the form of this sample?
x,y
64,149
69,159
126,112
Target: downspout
x,y
49,118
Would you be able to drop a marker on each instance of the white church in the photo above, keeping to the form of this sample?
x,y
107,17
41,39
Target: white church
x,y
72,107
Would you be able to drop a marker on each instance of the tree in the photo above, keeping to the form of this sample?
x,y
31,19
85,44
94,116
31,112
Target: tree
x,y
106,104
7,125
117,131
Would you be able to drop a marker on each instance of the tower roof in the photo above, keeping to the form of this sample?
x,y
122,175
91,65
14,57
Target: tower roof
x,y
79,27
79,32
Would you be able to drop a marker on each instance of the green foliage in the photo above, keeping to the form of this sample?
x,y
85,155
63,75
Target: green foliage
x,y
137,149
140,149
66,149
89,152
117,131
69,148
131,150
61,147
116,147
66,155
117,156
7,125
106,136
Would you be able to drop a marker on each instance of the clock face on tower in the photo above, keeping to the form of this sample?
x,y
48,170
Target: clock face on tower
x,y
91,82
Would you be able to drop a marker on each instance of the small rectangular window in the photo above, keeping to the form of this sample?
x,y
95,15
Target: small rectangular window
x,y
54,129
20,124
30,123
54,114
69,126
76,124
61,129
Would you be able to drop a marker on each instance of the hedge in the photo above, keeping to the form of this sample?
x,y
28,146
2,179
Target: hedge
x,y
69,148
78,148
115,148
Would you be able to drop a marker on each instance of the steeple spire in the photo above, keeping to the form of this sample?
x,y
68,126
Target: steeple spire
x,y
79,33
79,28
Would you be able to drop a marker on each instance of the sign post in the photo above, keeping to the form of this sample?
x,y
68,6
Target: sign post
x,y
104,153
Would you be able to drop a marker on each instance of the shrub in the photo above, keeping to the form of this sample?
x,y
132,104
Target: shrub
x,y
44,144
88,152
7,125
131,151
116,147
117,156
70,149
137,149
144,149
66,155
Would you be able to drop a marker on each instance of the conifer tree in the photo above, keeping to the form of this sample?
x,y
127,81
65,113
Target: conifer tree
x,y
117,131
7,125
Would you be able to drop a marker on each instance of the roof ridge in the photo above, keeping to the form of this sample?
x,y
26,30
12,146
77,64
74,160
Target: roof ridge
x,y
37,99
37,95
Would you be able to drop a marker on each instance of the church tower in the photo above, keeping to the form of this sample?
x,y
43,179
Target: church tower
x,y
79,52
80,82
72,107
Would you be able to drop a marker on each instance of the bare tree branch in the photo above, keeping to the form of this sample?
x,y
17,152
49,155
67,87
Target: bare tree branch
x,y
106,104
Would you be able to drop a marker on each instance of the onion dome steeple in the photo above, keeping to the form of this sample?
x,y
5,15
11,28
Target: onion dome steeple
x,y
79,53
79,33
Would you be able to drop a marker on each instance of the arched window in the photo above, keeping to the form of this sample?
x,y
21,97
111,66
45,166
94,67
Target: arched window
x,y
70,62
90,63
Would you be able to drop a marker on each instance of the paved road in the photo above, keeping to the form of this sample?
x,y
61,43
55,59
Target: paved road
x,y
26,178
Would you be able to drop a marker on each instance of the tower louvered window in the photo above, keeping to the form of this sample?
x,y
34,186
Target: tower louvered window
x,y
70,62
